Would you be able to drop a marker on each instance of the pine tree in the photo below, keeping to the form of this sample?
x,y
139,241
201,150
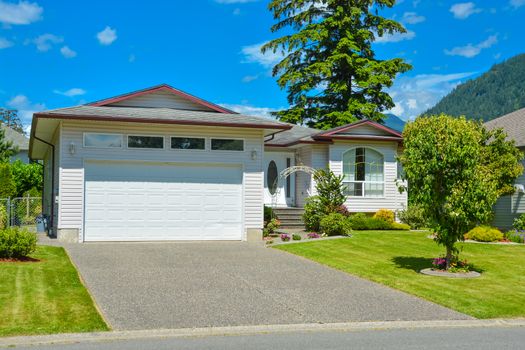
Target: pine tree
x,y
330,71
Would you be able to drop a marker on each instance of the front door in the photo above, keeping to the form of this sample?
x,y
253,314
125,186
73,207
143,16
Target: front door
x,y
280,193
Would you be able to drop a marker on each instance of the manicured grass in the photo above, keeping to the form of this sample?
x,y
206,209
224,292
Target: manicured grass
x,y
45,297
394,259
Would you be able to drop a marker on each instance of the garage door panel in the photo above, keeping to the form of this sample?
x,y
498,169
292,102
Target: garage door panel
x,y
138,201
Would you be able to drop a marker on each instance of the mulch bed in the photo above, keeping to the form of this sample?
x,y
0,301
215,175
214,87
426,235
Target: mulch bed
x,y
15,260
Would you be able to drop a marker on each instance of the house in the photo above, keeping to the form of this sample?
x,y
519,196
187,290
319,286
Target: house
x,y
510,207
20,141
161,164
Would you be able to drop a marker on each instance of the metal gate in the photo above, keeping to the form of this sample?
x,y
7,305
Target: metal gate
x,y
21,211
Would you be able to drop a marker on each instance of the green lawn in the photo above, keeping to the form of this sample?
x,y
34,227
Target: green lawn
x,y
394,259
45,297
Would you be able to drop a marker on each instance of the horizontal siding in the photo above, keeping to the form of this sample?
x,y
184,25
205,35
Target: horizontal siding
x,y
392,199
508,208
72,166
161,99
365,130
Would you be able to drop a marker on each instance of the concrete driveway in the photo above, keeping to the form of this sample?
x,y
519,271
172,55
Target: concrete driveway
x,y
180,285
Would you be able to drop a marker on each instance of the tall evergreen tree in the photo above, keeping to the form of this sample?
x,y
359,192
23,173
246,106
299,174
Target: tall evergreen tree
x,y
6,147
330,71
10,118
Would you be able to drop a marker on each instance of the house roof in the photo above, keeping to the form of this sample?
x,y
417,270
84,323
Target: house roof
x,y
302,134
513,124
161,116
19,140
161,87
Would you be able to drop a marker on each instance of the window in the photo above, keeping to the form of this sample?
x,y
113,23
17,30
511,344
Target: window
x,y
102,140
363,172
227,145
145,141
271,177
187,143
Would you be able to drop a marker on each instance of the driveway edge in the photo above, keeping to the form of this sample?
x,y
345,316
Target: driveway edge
x,y
252,330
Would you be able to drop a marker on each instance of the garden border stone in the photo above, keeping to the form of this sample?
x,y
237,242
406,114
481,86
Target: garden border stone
x,y
437,273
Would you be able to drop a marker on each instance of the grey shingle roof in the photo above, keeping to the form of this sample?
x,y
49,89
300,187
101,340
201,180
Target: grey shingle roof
x,y
160,115
296,133
19,140
513,124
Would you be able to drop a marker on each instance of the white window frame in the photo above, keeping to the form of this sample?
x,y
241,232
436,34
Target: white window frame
x,y
146,148
364,182
227,138
189,149
102,133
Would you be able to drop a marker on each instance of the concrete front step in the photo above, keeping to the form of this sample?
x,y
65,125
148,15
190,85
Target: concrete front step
x,y
290,217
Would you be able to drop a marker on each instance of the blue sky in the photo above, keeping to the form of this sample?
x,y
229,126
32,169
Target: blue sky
x,y
62,53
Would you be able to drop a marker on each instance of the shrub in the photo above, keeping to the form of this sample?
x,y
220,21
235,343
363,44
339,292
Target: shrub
x,y
361,221
7,182
296,237
313,212
268,213
285,237
515,236
519,222
385,214
3,217
16,243
399,226
335,224
413,216
484,234
343,210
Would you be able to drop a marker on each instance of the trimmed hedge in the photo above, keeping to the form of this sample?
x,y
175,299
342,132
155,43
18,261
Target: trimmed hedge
x,y
16,243
484,234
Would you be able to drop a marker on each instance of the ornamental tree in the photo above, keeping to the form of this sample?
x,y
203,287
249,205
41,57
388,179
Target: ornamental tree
x,y
456,170
329,69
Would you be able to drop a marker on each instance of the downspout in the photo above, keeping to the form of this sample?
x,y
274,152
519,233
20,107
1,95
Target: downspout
x,y
52,218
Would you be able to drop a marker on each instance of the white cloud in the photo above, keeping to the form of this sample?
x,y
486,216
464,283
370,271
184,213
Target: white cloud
x,y
471,50
107,36
71,92
414,95
23,12
463,10
234,1
67,52
4,43
25,107
517,3
45,42
396,37
250,110
412,18
253,54
249,78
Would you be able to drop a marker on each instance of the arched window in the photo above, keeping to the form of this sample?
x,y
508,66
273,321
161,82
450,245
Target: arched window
x,y
363,170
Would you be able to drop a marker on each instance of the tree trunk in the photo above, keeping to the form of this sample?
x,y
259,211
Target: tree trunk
x,y
449,257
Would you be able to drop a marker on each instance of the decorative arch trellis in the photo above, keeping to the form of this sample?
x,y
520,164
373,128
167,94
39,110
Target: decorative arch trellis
x,y
283,175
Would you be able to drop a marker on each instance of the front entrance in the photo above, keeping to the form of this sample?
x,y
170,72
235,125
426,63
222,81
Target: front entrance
x,y
284,190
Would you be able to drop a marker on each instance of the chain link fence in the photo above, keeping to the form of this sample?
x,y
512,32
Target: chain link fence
x,y
22,212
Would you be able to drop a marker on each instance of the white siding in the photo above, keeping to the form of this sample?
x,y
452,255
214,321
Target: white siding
x,y
161,99
72,165
364,130
392,199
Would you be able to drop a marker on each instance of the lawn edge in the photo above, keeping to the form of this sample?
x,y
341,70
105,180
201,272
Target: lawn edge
x,y
69,338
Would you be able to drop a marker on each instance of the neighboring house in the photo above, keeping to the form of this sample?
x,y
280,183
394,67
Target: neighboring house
x,y
160,164
20,141
509,207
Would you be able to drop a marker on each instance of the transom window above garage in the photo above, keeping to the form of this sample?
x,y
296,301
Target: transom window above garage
x,y
197,143
151,142
99,140
227,145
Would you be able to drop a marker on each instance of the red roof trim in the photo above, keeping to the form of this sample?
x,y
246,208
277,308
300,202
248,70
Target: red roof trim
x,y
163,87
157,121
357,124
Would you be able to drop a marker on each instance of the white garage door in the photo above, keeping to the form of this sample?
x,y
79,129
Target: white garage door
x,y
128,201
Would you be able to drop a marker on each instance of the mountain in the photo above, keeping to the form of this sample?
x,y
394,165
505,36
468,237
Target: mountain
x,y
394,122
497,92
